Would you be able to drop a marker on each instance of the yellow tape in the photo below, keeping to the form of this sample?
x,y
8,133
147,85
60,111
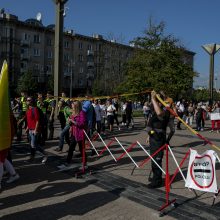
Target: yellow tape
x,y
104,97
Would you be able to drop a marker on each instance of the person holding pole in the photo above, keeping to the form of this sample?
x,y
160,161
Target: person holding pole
x,y
156,128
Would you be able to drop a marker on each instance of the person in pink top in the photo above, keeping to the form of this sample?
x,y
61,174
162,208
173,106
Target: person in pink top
x,y
78,124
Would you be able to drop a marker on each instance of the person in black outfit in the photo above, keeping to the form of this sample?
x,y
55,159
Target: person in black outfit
x,y
128,111
156,128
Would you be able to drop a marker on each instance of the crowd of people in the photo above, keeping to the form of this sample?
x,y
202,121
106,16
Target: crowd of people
x,y
35,117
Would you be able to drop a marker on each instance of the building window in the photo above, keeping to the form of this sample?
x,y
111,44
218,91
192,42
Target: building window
x,y
36,38
66,44
36,66
89,47
66,57
80,82
81,70
49,69
49,54
36,52
80,45
80,58
49,42
25,36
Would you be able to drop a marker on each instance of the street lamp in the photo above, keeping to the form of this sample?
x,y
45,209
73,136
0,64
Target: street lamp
x,y
71,78
58,50
211,49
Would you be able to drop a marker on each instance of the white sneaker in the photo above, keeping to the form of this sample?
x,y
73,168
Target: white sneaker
x,y
63,166
44,160
13,178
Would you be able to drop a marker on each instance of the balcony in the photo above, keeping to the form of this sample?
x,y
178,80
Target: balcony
x,y
66,74
90,76
25,56
25,42
90,64
90,53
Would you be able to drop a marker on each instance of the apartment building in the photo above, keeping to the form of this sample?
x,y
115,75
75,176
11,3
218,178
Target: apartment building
x,y
28,46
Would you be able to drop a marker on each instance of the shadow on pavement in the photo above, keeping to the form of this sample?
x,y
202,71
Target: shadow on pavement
x,y
78,205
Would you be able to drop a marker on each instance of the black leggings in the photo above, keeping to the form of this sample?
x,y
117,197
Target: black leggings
x,y
72,147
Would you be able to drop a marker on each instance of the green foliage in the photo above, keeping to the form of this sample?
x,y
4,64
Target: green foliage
x,y
203,95
158,63
27,83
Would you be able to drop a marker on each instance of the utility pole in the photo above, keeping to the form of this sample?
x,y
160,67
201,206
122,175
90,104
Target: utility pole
x,y
211,49
58,47
71,79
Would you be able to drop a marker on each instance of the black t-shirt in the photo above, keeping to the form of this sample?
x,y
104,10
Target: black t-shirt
x,y
159,122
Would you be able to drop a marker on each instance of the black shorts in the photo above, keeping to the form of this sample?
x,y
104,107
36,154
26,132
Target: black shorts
x,y
110,119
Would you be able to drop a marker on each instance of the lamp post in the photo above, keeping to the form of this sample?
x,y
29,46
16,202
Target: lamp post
x,y
71,78
211,49
58,47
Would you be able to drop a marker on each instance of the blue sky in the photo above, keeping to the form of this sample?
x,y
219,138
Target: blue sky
x,y
194,22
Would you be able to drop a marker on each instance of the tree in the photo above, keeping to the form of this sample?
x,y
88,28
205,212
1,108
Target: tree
x,y
28,83
203,95
158,63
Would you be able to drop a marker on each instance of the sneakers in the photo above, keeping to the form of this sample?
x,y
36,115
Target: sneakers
x,y
63,166
13,178
44,160
211,131
58,149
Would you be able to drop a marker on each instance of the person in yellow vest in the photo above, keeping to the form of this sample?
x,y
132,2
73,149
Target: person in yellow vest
x,y
43,105
51,102
61,105
22,111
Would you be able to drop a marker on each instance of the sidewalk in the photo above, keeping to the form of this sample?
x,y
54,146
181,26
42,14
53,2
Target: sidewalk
x,y
111,192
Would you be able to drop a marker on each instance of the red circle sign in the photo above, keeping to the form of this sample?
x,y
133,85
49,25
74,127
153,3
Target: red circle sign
x,y
202,171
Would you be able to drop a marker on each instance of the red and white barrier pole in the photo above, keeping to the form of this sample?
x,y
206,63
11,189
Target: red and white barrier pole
x,y
128,150
107,148
177,163
151,157
91,143
167,182
127,153
181,164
